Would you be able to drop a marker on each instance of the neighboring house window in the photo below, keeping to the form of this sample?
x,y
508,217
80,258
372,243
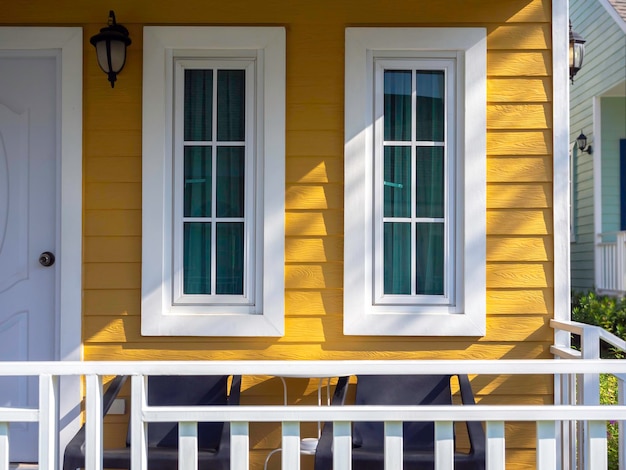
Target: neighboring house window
x,y
415,159
213,179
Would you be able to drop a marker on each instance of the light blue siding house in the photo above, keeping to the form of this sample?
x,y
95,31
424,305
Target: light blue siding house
x,y
598,176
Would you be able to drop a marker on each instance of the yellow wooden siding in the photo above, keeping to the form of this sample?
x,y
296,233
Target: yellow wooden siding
x,y
519,192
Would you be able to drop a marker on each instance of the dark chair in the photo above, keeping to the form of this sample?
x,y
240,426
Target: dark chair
x,y
213,438
368,437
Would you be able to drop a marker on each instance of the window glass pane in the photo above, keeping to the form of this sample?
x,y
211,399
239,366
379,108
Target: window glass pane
x,y
429,258
229,257
230,181
397,85
197,182
430,105
231,105
430,182
397,184
198,104
397,258
197,258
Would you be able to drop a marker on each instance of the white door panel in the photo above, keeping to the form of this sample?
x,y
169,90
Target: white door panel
x,y
28,227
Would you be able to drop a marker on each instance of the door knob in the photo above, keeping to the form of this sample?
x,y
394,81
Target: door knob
x,y
46,259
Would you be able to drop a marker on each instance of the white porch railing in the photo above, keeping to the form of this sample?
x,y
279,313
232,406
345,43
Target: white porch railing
x,y
611,262
549,419
584,389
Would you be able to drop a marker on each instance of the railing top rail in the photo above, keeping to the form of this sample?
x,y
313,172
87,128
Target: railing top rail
x,y
307,413
578,329
315,368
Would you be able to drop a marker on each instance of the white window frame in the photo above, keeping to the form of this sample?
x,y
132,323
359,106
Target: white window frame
x,y
464,312
163,311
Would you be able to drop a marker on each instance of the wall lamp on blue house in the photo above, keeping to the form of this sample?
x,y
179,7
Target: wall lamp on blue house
x,y
576,52
110,44
581,141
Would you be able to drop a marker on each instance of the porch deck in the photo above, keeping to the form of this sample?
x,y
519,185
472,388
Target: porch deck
x,y
571,433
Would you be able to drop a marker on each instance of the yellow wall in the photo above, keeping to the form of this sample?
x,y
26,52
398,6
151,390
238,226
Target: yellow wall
x,y
519,175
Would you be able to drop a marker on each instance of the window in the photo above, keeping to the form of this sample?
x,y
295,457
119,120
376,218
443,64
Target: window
x,y
213,179
415,181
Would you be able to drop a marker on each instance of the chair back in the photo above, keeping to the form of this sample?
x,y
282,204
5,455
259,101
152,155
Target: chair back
x,y
186,390
400,390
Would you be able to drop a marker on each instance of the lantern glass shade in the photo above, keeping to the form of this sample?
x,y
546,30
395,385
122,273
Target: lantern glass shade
x,y
111,56
582,141
576,52
110,46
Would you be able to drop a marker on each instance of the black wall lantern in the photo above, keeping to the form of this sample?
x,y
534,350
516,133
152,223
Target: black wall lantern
x,y
110,44
576,52
581,141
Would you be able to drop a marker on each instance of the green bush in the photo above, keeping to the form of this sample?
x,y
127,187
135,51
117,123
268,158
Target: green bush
x,y
601,310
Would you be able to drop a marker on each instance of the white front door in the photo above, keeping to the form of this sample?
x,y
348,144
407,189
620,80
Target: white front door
x,y
28,230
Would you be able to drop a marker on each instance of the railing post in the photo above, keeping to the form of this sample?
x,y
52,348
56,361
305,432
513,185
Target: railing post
x,y
4,446
138,428
495,446
621,261
621,400
291,445
444,445
93,423
590,390
393,444
597,455
48,421
546,445
342,444
239,442
188,446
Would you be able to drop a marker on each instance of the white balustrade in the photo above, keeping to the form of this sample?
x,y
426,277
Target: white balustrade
x,y
548,418
611,262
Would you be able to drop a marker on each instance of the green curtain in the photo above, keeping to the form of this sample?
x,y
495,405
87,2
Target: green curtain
x,y
427,199
227,184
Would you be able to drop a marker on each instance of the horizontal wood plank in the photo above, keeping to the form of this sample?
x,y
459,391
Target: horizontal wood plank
x,y
519,169
519,116
519,89
518,64
314,196
513,196
314,170
313,250
112,223
519,143
113,170
520,36
519,222
114,302
511,275
514,301
519,248
112,250
314,223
